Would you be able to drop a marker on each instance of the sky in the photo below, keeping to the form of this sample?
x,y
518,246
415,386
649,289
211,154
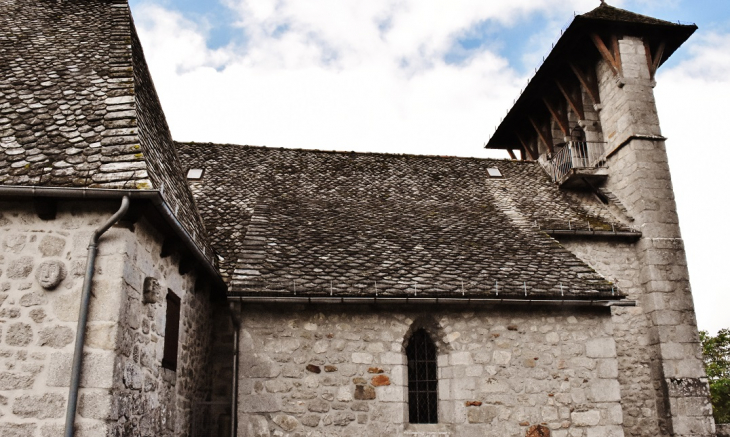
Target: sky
x,y
431,77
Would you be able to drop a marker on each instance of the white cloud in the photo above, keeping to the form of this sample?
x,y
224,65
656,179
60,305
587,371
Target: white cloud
x,y
171,41
692,99
367,75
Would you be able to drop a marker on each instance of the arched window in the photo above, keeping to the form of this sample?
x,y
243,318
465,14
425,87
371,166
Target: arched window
x,y
422,379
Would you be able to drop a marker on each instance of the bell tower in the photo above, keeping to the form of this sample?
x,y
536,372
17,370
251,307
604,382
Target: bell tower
x,y
589,118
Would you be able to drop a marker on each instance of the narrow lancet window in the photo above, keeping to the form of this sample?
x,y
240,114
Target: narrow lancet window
x,y
422,379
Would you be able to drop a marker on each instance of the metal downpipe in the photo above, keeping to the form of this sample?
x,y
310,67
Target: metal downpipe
x,y
236,322
73,391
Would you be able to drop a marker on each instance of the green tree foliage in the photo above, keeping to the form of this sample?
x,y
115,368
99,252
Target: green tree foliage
x,y
716,353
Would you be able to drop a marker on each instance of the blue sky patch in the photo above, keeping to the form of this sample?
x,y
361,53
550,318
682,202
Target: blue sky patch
x,y
217,19
510,42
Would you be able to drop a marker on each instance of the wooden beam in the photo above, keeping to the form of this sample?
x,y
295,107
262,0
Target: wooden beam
x,y
526,147
511,154
589,81
170,246
575,103
608,56
186,265
545,136
45,208
616,54
658,55
653,59
560,115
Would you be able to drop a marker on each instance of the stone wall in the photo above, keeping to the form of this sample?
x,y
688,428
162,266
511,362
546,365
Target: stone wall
x,y
723,430
39,325
221,365
124,389
661,369
336,371
150,399
618,262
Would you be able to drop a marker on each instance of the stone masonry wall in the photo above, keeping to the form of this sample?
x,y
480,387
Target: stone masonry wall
x,y
640,178
337,371
124,389
38,325
149,399
723,430
618,262
221,365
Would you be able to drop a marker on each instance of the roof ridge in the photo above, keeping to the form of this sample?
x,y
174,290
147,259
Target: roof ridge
x,y
343,152
607,12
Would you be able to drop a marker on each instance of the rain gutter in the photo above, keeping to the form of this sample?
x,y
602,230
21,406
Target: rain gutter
x,y
433,300
579,233
154,196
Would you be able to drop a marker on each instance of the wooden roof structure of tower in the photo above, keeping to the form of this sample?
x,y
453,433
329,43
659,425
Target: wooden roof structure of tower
x,y
589,37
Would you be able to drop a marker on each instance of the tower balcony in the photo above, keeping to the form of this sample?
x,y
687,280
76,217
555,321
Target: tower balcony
x,y
576,163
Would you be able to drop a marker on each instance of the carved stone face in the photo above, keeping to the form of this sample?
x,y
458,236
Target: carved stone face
x,y
50,274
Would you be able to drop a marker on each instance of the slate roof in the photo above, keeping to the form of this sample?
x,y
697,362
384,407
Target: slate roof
x,y
302,222
611,13
78,107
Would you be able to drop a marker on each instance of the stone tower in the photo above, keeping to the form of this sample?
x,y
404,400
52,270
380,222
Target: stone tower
x,y
590,118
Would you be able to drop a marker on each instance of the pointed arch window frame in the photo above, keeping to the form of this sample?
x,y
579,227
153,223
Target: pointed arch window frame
x,y
422,358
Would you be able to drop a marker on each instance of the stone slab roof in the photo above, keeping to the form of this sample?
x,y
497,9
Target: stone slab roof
x,y
78,107
305,222
611,13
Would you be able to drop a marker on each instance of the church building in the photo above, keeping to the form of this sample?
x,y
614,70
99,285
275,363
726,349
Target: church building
x,y
155,288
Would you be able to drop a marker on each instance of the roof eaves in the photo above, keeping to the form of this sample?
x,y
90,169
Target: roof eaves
x,y
568,45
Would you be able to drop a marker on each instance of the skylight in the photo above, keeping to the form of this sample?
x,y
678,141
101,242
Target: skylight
x,y
494,172
195,173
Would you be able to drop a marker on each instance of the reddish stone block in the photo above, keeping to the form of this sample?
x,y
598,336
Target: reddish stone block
x,y
380,380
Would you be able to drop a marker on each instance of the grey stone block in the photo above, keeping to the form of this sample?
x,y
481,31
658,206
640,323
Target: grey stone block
x,y
19,334
483,414
17,429
586,418
95,405
20,268
254,426
51,246
97,370
605,390
56,337
260,403
286,422
15,380
47,406
601,348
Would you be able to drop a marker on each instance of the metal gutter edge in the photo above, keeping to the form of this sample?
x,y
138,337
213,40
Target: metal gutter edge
x,y
432,300
110,193
577,233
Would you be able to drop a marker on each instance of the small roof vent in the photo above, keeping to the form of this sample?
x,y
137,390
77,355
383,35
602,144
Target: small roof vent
x,y
494,172
195,174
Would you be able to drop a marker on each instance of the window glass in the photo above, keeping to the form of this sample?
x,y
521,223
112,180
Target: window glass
x,y
422,379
